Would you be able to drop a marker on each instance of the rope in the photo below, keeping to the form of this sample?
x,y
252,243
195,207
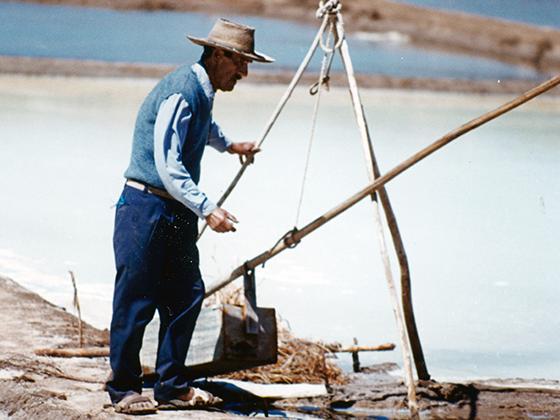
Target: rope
x,y
315,89
330,12
333,21
288,240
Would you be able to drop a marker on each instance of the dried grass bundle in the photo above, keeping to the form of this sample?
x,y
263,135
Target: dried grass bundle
x,y
299,361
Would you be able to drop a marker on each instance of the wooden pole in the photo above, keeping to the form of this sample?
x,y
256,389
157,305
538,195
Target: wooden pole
x,y
357,348
275,114
373,173
74,352
406,297
296,236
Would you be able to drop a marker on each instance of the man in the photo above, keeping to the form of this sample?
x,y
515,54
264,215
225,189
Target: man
x,y
156,220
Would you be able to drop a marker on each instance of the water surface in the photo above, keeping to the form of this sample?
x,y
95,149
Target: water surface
x,y
535,12
479,219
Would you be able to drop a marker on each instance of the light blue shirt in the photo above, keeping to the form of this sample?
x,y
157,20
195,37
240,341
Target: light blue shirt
x,y
170,131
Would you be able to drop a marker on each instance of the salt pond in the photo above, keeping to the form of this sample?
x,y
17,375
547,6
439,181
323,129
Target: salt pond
x,y
59,31
479,219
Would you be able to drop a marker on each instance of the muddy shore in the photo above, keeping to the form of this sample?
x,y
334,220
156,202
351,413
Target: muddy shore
x,y
41,387
89,68
460,32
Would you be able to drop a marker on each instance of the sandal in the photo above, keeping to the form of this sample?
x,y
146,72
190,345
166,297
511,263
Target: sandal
x,y
194,398
135,404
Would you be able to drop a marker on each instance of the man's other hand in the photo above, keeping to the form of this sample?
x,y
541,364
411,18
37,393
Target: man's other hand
x,y
246,149
221,221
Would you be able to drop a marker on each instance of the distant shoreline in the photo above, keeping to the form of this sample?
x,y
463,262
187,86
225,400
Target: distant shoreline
x,y
499,39
34,66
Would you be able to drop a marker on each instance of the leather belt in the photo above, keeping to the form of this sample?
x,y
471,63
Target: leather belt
x,y
149,189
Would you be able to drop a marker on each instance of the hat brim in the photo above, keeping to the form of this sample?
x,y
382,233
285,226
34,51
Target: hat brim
x,y
256,56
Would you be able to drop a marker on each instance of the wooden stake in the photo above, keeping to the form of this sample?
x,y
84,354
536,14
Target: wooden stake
x,y
355,357
76,303
294,237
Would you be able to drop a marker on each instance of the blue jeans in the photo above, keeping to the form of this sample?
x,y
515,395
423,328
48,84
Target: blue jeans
x,y
157,268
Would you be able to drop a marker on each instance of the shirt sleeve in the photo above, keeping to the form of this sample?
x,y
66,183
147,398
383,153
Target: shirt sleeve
x,y
172,123
217,139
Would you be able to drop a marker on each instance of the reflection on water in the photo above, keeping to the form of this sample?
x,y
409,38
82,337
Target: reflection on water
x,y
159,37
479,219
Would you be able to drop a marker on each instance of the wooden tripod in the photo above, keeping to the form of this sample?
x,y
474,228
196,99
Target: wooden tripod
x,y
405,319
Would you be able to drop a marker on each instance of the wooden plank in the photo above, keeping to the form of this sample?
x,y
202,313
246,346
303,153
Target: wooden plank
x,y
277,391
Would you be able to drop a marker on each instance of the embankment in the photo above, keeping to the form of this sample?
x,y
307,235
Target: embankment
x,y
40,387
460,32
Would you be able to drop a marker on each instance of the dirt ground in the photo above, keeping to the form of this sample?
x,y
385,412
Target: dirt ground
x,y
503,40
37,387
34,387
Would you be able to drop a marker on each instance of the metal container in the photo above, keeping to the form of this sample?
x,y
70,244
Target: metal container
x,y
225,340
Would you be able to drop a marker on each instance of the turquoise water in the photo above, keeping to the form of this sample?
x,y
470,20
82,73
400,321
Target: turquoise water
x,y
159,37
479,219
535,12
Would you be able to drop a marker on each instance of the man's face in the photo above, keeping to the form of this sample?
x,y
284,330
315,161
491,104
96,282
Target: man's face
x,y
231,68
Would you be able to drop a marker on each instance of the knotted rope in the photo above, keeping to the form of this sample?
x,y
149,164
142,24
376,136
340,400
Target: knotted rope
x,y
328,7
330,13
287,239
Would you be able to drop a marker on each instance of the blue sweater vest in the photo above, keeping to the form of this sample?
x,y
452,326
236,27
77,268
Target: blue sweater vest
x,y
184,81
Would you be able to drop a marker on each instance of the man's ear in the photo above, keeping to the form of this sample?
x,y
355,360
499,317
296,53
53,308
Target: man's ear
x,y
218,53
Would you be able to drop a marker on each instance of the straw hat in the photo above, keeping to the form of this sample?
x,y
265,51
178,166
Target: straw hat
x,y
233,37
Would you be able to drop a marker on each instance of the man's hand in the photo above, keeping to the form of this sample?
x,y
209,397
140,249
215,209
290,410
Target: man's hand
x,y
247,149
221,221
